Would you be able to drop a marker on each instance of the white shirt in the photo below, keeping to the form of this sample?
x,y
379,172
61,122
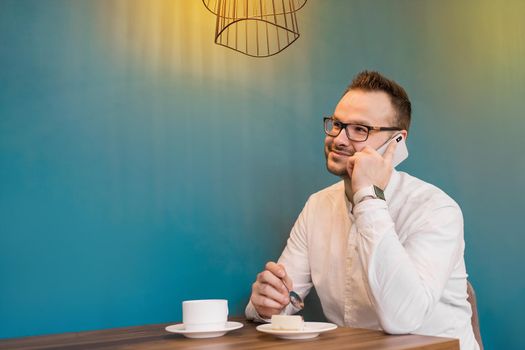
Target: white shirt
x,y
394,265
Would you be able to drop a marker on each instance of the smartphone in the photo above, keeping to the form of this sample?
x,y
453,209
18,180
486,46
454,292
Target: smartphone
x,y
401,152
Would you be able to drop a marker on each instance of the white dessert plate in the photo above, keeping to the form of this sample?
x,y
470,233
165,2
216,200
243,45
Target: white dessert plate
x,y
311,330
179,329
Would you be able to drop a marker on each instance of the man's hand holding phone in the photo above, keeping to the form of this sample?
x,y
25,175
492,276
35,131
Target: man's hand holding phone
x,y
374,167
269,292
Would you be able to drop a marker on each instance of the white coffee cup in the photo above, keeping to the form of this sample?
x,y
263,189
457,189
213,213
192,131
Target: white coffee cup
x,y
205,315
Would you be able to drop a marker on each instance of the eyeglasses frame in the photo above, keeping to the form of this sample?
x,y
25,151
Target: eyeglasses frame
x,y
368,127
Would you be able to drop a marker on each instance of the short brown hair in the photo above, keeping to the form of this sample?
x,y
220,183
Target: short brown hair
x,y
374,81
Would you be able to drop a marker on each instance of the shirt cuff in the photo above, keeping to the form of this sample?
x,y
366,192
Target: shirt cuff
x,y
252,314
372,217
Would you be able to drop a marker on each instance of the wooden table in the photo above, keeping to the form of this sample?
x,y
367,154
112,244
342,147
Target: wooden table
x,y
154,337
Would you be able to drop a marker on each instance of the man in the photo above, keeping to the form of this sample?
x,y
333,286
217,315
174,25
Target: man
x,y
383,249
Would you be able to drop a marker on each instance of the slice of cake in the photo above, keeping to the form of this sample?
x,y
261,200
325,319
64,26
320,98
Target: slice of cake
x,y
287,322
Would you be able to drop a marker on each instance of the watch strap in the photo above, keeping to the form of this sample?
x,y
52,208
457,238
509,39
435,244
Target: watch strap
x,y
370,191
379,193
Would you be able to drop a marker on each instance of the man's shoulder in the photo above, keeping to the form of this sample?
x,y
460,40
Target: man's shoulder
x,y
327,199
418,190
334,190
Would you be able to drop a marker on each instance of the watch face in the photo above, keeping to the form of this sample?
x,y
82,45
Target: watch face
x,y
379,192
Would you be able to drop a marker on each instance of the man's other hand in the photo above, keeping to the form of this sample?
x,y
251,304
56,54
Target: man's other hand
x,y
269,291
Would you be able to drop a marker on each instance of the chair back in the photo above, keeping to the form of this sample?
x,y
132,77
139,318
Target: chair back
x,y
474,320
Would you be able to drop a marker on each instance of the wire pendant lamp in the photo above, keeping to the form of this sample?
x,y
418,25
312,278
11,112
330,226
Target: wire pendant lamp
x,y
257,28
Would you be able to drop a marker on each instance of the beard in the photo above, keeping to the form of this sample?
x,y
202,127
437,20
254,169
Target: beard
x,y
336,165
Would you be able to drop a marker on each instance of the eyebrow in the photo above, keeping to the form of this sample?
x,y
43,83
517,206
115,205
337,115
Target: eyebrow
x,y
358,122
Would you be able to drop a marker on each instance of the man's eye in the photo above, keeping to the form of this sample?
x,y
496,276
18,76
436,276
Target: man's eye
x,y
337,125
359,129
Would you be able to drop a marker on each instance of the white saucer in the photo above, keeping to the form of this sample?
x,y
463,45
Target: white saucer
x,y
311,330
179,329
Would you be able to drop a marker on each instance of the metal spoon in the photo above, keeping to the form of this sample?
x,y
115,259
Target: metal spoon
x,y
295,299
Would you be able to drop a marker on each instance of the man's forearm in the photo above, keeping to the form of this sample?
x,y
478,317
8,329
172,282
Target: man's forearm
x,y
405,280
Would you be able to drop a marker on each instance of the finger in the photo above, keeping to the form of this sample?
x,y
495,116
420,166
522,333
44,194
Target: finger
x,y
367,149
389,153
350,164
270,278
277,269
269,291
286,279
262,300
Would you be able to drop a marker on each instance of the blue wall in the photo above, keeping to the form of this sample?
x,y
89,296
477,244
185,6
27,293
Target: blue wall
x,y
142,165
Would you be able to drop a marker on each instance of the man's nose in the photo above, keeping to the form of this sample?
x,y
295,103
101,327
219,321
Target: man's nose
x,y
342,139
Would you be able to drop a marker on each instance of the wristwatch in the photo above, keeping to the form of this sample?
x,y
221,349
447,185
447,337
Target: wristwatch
x,y
372,192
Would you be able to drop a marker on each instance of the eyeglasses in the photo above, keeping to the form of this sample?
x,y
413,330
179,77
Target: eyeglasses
x,y
354,132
